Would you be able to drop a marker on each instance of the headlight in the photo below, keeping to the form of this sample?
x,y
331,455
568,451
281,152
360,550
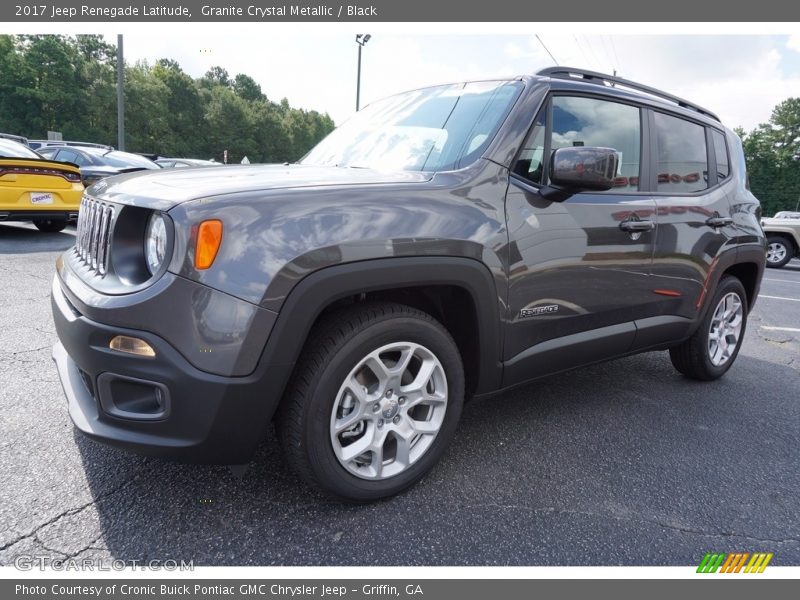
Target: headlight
x,y
155,243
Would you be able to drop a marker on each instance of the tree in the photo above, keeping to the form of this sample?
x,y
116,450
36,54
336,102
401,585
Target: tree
x,y
216,76
68,84
146,110
229,120
247,88
773,158
51,71
185,115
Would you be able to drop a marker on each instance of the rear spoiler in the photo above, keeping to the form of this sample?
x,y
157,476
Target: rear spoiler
x,y
42,165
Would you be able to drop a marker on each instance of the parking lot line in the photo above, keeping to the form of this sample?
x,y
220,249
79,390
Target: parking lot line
x,y
779,298
781,280
793,329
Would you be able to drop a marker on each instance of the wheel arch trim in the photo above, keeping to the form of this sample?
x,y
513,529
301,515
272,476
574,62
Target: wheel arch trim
x,y
318,290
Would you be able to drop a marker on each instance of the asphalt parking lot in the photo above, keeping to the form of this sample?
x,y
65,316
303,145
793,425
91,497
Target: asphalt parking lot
x,y
625,463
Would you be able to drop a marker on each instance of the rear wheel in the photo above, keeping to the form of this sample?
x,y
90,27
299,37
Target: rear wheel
x,y
50,225
713,348
779,251
374,402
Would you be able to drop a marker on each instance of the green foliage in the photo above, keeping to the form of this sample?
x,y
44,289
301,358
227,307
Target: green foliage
x,y
772,151
68,84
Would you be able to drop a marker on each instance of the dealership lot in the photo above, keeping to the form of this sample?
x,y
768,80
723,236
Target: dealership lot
x,y
622,463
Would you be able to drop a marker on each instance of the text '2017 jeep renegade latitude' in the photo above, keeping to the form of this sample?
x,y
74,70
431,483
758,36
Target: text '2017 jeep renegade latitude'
x,y
443,244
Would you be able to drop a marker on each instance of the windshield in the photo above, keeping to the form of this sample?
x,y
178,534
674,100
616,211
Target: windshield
x,y
434,129
12,149
123,160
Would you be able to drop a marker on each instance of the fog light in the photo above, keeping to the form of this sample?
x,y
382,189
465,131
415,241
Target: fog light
x,y
131,345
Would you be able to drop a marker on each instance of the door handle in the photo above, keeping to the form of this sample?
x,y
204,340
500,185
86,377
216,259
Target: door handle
x,y
718,221
635,226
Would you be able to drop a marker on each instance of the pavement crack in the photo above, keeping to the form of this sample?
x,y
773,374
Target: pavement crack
x,y
48,548
72,511
17,353
636,518
66,555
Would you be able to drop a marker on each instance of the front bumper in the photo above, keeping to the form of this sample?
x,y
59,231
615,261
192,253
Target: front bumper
x,y
160,406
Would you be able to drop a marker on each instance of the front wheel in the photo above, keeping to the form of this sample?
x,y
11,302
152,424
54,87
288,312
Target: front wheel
x,y
374,402
713,348
779,251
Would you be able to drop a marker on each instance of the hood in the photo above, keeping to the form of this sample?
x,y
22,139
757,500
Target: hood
x,y
166,188
772,221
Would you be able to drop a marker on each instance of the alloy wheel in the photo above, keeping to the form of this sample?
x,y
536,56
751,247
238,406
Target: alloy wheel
x,y
388,410
725,329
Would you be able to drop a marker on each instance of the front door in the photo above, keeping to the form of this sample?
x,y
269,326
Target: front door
x,y
579,270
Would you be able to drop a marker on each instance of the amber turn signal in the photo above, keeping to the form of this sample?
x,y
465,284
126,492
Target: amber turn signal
x,y
209,237
131,345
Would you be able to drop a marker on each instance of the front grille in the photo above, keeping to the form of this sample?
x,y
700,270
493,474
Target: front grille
x,y
93,237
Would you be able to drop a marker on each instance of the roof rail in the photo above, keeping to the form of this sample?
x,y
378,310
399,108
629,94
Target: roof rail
x,y
603,79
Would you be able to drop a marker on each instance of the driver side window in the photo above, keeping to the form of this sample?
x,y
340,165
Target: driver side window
x,y
583,121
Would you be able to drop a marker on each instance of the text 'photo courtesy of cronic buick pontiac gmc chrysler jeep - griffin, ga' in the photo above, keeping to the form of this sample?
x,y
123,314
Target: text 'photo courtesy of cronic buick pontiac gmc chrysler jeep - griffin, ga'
x,y
443,244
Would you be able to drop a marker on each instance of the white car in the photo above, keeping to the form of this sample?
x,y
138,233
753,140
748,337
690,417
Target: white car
x,y
783,238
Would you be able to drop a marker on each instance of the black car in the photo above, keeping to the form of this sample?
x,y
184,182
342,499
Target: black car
x,y
97,162
444,244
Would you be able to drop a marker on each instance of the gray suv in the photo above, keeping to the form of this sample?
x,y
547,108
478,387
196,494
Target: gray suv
x,y
444,244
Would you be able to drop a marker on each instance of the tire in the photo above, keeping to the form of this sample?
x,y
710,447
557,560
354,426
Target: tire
x,y
701,356
325,382
50,225
779,251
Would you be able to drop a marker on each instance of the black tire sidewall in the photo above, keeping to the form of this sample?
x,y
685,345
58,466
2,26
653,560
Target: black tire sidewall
x,y
329,473
726,286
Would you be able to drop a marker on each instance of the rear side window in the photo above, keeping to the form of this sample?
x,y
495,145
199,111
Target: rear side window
x,y
721,153
68,156
682,156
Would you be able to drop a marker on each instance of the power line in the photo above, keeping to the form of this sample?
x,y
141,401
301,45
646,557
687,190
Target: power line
x,y
546,49
614,48
578,44
598,64
604,46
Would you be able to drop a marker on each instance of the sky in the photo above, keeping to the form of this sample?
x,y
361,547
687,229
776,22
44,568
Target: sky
x,y
739,77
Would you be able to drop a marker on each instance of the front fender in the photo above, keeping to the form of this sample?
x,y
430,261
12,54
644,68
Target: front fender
x,y
314,293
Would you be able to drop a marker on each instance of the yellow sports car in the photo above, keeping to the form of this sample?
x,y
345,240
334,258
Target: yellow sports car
x,y
34,189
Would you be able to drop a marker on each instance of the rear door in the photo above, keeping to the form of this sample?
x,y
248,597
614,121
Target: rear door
x,y
694,212
578,274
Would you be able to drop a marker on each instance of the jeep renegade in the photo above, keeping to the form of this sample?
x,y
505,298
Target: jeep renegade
x,y
443,244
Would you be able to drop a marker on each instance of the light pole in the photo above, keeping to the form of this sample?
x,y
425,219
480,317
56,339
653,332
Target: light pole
x,y
120,95
361,39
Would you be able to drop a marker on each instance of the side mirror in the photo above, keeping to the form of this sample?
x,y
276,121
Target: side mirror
x,y
583,168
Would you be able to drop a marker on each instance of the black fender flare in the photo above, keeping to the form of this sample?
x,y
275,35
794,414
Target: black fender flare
x,y
306,301
751,254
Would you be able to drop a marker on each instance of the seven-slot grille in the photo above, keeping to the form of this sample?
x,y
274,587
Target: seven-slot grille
x,y
93,237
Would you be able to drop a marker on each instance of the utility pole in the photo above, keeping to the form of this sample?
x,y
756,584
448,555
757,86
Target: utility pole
x,y
361,39
120,95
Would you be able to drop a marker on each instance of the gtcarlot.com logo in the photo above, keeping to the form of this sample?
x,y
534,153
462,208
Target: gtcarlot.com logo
x,y
734,562
29,562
